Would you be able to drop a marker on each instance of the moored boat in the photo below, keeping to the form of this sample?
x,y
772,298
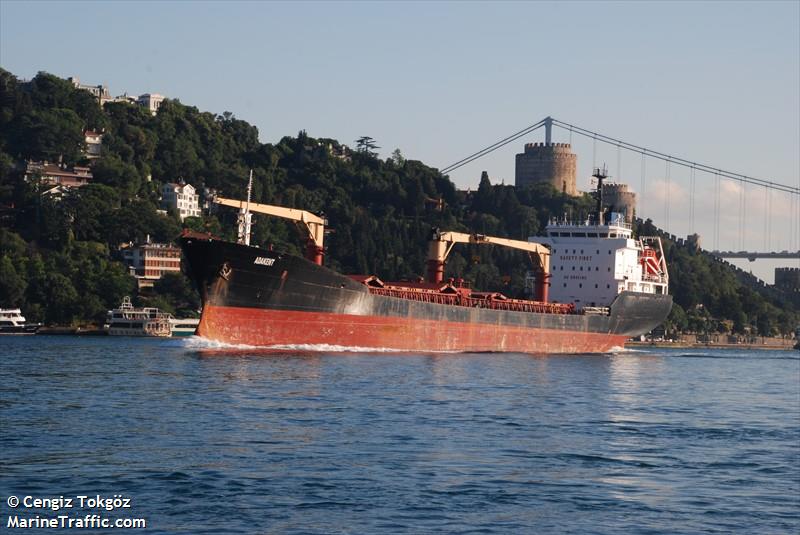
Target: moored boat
x,y
13,322
128,320
183,326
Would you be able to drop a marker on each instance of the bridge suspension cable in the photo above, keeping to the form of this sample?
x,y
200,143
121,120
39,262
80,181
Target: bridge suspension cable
x,y
483,152
676,160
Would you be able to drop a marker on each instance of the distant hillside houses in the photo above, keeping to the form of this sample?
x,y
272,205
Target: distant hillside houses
x,y
151,101
182,198
94,144
149,261
56,179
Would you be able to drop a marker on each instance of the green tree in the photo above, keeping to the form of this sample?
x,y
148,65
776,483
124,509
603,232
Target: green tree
x,y
12,285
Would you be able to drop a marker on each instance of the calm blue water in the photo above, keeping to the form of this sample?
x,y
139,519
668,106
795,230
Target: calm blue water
x,y
211,441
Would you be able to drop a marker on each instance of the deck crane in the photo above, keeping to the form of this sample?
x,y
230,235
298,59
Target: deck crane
x,y
442,243
313,224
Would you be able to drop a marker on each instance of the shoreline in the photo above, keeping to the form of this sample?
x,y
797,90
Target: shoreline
x,y
788,346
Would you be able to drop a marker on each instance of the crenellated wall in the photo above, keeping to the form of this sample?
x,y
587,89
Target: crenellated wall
x,y
618,198
553,163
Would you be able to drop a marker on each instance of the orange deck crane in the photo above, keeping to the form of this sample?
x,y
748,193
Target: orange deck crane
x,y
442,243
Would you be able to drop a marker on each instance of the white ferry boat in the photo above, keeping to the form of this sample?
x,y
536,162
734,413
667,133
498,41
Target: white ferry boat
x,y
183,327
130,321
13,322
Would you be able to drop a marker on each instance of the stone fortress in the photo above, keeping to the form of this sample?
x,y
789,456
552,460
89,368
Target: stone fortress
x,y
556,164
552,163
618,198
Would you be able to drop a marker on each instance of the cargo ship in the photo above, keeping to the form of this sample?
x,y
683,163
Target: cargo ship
x,y
594,286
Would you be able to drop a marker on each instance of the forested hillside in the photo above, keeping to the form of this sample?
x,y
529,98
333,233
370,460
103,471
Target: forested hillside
x,y
57,256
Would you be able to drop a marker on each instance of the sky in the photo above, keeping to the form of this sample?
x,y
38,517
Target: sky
x,y
713,82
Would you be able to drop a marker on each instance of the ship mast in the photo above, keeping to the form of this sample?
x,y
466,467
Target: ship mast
x,y
245,217
600,175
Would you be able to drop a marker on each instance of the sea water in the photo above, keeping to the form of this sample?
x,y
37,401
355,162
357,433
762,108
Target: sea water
x,y
203,438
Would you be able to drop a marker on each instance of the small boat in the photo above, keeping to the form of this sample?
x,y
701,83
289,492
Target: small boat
x,y
183,327
13,322
128,320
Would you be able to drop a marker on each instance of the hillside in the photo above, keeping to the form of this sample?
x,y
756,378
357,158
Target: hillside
x,y
58,254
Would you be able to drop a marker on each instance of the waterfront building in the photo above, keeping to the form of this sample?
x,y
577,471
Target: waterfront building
x,y
150,261
182,198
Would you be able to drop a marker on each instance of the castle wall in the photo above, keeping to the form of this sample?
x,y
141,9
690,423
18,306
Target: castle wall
x,y
553,163
788,279
619,198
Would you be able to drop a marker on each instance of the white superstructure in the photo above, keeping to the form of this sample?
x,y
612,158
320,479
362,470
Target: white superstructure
x,y
590,263
13,322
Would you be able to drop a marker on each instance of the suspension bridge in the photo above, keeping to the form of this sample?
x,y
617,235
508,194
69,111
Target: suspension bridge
x,y
779,200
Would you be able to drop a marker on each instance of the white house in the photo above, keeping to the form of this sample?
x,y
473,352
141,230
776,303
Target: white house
x,y
151,101
182,198
94,144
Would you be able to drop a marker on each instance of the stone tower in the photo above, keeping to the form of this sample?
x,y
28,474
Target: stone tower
x,y
618,198
552,163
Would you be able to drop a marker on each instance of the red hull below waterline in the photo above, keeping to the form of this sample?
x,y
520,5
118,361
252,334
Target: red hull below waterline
x,y
264,327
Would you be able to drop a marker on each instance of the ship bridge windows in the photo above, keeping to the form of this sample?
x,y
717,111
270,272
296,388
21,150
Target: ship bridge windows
x,y
579,234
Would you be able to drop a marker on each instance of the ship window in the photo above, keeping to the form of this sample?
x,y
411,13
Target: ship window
x,y
596,268
573,268
609,251
580,285
608,286
581,251
595,286
581,268
565,285
562,268
604,234
591,234
609,270
598,251
573,251
579,234
612,235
